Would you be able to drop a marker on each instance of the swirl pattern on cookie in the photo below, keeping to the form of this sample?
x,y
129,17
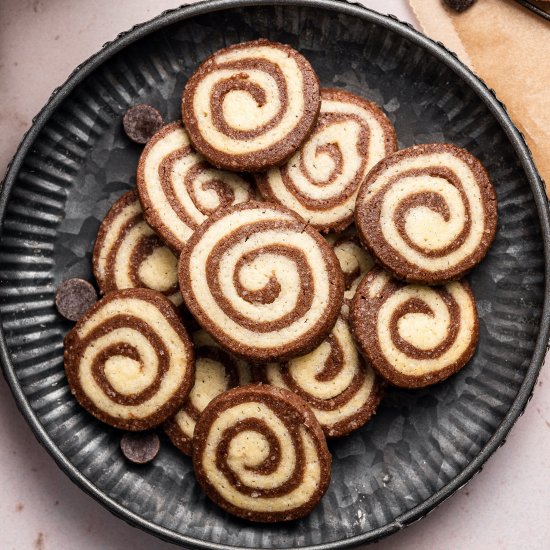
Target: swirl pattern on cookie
x,y
414,335
428,213
129,361
321,180
341,389
179,189
354,260
262,282
248,107
259,453
129,254
216,371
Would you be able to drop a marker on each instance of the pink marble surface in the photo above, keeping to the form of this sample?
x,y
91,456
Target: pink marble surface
x,y
504,507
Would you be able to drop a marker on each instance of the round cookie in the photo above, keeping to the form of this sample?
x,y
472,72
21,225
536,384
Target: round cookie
x,y
263,283
249,106
129,254
129,361
414,335
334,380
260,454
321,180
427,213
354,260
216,371
178,189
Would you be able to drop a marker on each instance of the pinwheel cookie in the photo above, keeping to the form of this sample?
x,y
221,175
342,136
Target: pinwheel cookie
x,y
178,189
129,361
129,254
321,180
341,389
414,335
427,213
260,454
248,107
262,282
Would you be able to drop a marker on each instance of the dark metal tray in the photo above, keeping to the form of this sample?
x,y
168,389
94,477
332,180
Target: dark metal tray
x,y
75,161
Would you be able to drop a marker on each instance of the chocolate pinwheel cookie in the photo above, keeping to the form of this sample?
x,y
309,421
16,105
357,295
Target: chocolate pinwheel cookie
x,y
249,106
260,454
354,260
321,180
129,254
262,282
428,213
129,361
334,380
216,371
178,189
414,335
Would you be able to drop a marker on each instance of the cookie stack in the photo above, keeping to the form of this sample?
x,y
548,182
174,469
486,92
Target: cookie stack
x,y
277,265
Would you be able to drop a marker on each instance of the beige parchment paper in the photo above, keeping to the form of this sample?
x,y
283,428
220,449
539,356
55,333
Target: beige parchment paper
x,y
509,48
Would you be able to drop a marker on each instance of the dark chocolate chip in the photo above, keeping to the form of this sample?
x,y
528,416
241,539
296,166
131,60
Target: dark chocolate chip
x,y
141,122
140,447
74,297
459,5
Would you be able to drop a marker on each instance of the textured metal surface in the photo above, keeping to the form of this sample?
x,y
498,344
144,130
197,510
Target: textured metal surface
x,y
422,445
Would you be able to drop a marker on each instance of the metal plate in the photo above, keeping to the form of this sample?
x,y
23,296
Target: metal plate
x,y
75,162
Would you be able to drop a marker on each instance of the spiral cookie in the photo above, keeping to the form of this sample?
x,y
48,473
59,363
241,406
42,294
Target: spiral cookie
x,y
342,391
354,260
128,253
248,107
178,189
129,361
428,213
414,335
321,180
263,283
216,371
260,454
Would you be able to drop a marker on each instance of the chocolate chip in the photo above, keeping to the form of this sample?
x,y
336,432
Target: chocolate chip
x,y
141,122
459,5
140,447
74,297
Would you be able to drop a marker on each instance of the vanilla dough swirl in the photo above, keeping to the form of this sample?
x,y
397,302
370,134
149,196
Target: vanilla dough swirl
x,y
264,284
260,454
129,254
321,180
129,361
249,106
179,189
428,213
216,371
414,335
341,389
